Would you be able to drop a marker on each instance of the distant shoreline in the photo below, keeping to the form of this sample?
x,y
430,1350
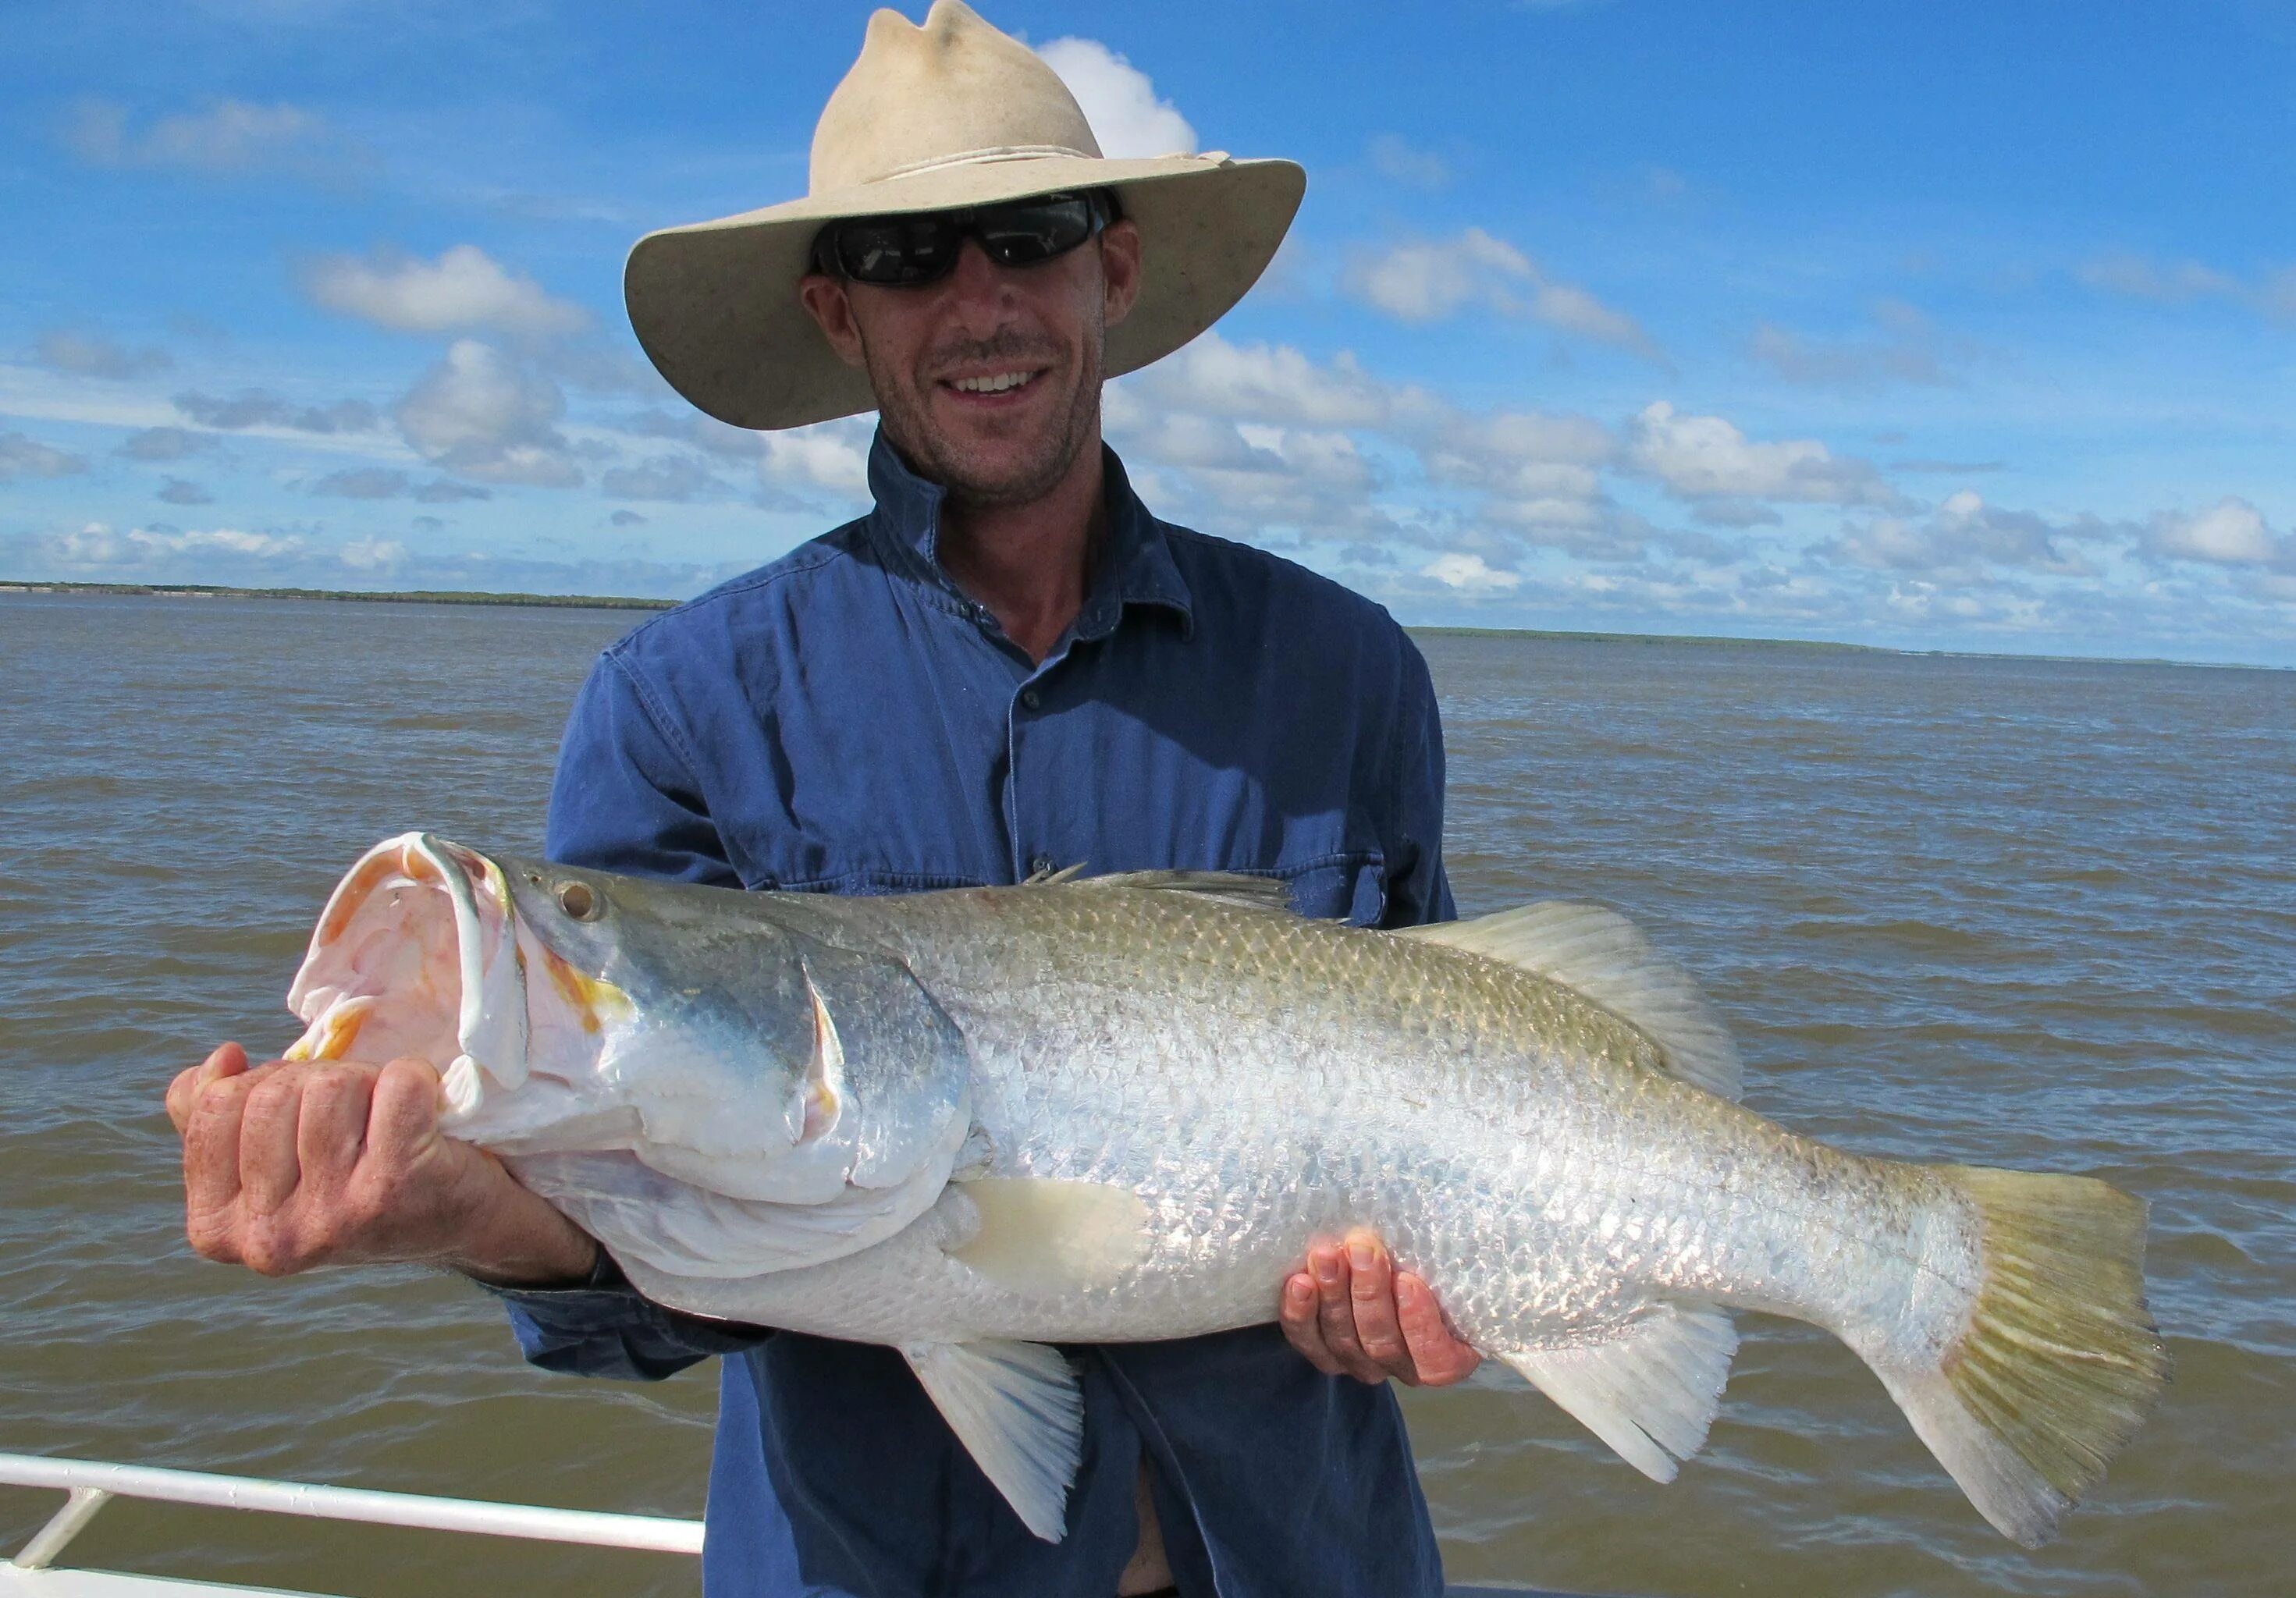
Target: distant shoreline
x,y
608,601
411,596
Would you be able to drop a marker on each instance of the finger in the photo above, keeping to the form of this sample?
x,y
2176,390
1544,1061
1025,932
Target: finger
x,y
402,1118
184,1092
1296,1313
1439,1358
331,1126
1335,1312
211,1160
1371,1288
268,1170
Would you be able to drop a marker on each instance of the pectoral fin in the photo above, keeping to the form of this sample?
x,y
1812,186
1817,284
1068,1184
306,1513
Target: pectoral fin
x,y
1650,1392
1040,1236
1017,1409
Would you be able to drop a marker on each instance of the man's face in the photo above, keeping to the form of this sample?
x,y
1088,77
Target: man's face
x,y
988,379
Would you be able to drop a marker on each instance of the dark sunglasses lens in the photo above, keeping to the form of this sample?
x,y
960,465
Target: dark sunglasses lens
x,y
902,252
1021,235
898,249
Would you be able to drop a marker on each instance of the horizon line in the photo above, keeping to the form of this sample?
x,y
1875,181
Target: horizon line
x,y
607,601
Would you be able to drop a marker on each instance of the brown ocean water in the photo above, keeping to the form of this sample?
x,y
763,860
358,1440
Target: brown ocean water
x,y
2009,912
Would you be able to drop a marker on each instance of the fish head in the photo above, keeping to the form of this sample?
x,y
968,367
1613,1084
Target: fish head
x,y
719,1037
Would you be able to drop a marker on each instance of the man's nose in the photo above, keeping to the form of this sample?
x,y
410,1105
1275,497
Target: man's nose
x,y
978,289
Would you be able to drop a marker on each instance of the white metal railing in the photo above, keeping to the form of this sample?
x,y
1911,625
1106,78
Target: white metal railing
x,y
92,1485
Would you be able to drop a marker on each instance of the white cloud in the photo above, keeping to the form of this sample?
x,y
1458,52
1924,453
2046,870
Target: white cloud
x,y
372,554
1119,101
1909,351
480,412
20,456
1995,608
164,444
1399,160
1269,382
88,355
2232,532
1428,280
1542,474
664,477
95,543
1470,574
2171,282
831,455
229,135
1708,457
463,290
256,409
363,482
2185,281
1967,537
166,555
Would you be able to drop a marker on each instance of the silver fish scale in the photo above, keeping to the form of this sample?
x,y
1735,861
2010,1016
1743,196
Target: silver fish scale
x,y
1259,1079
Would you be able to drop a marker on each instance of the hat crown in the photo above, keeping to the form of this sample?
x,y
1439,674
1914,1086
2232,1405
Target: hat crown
x,y
952,92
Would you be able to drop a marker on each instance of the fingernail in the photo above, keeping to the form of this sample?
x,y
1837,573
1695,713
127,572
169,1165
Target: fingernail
x,y
1326,1263
1359,1255
1298,1291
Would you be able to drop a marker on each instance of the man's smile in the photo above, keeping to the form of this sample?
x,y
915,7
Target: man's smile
x,y
1000,387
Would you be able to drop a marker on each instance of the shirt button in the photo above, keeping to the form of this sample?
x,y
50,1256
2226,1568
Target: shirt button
x,y
1030,699
1040,865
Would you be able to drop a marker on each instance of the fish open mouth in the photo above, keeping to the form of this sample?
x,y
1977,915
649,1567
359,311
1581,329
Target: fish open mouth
x,y
418,955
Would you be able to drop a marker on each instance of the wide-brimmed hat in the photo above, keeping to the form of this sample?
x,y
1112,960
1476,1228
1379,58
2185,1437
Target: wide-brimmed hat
x,y
948,115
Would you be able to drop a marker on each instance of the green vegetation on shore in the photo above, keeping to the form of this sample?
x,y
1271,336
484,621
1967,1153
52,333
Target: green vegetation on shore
x,y
416,596
1585,637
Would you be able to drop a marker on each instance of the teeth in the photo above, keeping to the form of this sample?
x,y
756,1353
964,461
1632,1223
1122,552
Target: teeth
x,y
991,385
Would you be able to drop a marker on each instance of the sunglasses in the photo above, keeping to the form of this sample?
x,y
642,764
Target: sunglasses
x,y
905,252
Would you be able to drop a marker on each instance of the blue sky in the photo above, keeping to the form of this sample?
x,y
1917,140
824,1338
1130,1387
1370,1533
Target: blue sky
x,y
1941,325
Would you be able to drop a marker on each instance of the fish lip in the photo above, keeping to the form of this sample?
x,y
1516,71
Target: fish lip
x,y
491,1024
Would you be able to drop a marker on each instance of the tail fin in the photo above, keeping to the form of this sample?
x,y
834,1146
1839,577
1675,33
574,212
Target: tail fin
x,y
2060,1360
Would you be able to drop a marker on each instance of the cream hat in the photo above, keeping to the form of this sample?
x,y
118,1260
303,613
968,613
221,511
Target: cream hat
x,y
950,114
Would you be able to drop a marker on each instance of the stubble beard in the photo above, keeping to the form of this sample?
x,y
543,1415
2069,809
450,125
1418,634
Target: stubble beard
x,y
971,480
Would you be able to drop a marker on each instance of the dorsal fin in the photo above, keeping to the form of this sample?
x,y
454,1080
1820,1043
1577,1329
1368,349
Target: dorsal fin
x,y
1239,888
1599,955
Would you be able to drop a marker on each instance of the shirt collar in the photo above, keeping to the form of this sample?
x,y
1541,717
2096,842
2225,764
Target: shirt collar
x,y
1137,567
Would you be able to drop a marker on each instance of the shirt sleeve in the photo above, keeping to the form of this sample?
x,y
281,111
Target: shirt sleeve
x,y
1418,892
625,800
604,1328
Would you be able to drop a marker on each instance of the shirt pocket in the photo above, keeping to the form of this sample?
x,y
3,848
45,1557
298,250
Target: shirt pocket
x,y
1351,887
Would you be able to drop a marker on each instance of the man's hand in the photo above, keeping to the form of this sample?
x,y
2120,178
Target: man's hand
x,y
294,1165
1353,1313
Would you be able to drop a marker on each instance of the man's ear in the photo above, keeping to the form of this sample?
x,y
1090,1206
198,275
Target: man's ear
x,y
830,306
1119,271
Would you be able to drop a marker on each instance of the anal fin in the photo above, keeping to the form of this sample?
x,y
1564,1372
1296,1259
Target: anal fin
x,y
1651,1391
1017,1409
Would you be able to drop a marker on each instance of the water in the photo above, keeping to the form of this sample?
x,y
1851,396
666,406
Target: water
x,y
2018,912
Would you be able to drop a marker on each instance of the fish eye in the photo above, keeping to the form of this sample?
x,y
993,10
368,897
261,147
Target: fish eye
x,y
578,901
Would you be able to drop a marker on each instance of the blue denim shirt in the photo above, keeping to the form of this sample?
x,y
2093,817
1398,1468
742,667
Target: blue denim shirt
x,y
847,720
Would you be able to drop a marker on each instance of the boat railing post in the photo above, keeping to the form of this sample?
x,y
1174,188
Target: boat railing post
x,y
64,1525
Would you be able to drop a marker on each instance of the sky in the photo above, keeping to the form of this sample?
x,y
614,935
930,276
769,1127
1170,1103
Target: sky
x,y
1934,326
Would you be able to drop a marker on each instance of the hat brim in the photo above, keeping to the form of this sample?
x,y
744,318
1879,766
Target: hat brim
x,y
715,304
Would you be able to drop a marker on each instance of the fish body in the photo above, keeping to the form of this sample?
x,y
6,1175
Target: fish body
x,y
971,1124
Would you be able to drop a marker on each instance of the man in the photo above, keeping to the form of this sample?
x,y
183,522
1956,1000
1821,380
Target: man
x,y
1008,666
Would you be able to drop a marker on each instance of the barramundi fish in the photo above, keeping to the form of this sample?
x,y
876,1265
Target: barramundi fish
x,y
975,1124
